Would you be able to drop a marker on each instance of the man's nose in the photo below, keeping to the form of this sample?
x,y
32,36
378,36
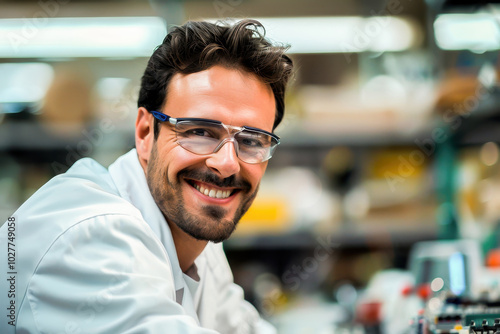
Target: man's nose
x,y
224,161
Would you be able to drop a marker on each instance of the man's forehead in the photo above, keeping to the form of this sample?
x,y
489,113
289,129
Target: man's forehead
x,y
221,88
212,78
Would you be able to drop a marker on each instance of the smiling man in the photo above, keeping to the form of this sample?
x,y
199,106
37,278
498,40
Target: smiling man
x,y
135,248
201,178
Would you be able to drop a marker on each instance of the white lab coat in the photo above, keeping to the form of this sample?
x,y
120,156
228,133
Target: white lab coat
x,y
94,254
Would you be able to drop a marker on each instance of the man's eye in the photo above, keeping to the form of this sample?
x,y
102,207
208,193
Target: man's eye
x,y
253,139
251,142
199,132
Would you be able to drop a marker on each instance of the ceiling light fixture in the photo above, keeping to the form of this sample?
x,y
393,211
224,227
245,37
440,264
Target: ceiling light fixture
x,y
80,37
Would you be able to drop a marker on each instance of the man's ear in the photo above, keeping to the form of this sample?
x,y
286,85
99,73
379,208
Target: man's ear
x,y
144,135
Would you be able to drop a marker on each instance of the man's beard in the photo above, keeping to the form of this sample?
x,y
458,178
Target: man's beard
x,y
210,225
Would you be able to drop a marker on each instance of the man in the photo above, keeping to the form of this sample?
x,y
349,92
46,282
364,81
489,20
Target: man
x,y
136,248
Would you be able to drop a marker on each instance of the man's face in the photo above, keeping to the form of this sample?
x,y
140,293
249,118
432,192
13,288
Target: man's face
x,y
179,180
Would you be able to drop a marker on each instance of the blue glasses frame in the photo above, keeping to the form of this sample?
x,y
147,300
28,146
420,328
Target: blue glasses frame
x,y
166,118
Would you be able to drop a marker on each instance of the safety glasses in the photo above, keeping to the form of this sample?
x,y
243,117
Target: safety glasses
x,y
205,136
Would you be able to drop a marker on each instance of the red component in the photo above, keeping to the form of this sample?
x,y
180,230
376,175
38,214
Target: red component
x,y
424,291
493,258
369,313
406,290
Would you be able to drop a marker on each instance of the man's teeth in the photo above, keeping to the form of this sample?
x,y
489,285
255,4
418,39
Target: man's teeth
x,y
212,192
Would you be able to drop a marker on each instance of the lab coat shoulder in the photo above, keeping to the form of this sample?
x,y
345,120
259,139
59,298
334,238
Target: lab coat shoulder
x,y
89,263
106,275
82,193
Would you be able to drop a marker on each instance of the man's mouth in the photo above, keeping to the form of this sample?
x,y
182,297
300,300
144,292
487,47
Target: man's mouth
x,y
211,191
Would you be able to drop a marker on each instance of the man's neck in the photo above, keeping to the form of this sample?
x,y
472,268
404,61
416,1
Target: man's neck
x,y
187,247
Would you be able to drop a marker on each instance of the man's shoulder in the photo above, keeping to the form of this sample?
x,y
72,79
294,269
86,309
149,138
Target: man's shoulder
x,y
85,191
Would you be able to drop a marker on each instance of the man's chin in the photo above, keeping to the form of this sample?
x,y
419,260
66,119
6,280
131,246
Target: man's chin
x,y
213,212
218,233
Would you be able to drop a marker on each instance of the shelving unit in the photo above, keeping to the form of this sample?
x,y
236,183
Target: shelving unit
x,y
342,239
478,127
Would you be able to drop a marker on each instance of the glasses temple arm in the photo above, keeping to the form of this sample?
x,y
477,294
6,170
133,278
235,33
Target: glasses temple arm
x,y
163,118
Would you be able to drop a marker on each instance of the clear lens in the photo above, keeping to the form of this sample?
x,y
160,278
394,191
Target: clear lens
x,y
255,146
202,137
199,137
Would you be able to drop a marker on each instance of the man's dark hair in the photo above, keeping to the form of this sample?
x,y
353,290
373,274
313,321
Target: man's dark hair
x,y
197,46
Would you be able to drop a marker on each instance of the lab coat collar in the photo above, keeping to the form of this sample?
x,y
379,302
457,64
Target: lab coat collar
x,y
129,178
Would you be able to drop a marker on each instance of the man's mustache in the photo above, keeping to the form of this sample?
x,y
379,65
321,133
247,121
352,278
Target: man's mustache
x,y
212,178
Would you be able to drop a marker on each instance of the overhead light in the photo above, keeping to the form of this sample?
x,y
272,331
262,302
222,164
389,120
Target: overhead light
x,y
342,34
478,32
24,82
80,37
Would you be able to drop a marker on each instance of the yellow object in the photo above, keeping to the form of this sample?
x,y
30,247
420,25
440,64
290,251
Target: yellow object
x,y
266,215
406,163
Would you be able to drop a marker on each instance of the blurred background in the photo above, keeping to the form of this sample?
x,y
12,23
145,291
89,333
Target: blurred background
x,y
379,212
